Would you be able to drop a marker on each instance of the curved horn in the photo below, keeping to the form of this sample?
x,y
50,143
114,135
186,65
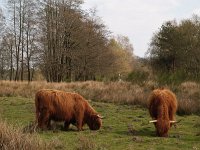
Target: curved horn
x,y
152,121
171,121
101,117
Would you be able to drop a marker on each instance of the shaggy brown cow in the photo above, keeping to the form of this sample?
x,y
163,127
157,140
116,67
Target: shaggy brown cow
x,y
62,106
162,108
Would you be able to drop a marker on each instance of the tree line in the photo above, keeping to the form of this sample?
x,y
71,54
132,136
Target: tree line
x,y
66,43
175,49
63,41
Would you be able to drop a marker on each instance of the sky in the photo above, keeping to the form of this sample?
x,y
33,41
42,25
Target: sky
x,y
139,19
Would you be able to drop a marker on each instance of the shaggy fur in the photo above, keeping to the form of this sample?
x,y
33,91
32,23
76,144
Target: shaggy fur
x,y
62,106
162,107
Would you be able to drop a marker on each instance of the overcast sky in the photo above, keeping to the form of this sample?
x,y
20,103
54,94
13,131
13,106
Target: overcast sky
x,y
139,19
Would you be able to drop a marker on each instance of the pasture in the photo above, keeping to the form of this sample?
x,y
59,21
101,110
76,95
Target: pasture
x,y
124,127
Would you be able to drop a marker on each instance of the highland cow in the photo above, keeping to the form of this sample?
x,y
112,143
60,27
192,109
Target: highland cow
x,y
68,107
162,108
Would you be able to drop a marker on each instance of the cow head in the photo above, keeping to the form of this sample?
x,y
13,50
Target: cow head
x,y
95,122
162,126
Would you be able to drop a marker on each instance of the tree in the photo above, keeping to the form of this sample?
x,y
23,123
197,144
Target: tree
x,y
64,41
24,30
125,44
2,21
190,48
74,42
7,46
3,54
174,49
163,49
60,22
93,39
122,57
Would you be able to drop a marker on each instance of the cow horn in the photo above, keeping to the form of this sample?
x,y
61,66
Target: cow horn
x,y
101,117
152,121
171,121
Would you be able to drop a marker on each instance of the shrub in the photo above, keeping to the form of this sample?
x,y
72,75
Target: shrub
x,y
171,78
138,77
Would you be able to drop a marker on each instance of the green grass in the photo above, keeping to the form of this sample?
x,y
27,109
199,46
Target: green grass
x,y
124,127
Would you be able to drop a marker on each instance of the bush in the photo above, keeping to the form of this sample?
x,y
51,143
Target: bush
x,y
171,78
138,77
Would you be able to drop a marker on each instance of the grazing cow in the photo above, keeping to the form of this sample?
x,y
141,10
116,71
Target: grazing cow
x,y
68,107
162,108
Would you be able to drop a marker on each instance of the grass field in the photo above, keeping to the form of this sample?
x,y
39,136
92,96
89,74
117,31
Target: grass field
x,y
124,127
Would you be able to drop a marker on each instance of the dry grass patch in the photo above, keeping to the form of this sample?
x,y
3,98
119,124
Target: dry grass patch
x,y
188,106
188,93
85,143
13,139
116,92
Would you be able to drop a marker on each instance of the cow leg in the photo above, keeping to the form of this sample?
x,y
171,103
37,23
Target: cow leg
x,y
43,119
79,121
66,125
49,123
79,125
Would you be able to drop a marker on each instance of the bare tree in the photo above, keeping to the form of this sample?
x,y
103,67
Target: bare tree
x,y
61,21
65,41
24,28
2,21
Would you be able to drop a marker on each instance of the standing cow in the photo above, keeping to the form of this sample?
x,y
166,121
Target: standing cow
x,y
68,107
162,108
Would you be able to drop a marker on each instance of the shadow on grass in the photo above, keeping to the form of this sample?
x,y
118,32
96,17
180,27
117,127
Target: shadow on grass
x,y
144,132
148,132
56,127
129,130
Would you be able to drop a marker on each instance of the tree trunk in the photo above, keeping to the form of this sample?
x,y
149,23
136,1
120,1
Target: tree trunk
x,y
11,62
